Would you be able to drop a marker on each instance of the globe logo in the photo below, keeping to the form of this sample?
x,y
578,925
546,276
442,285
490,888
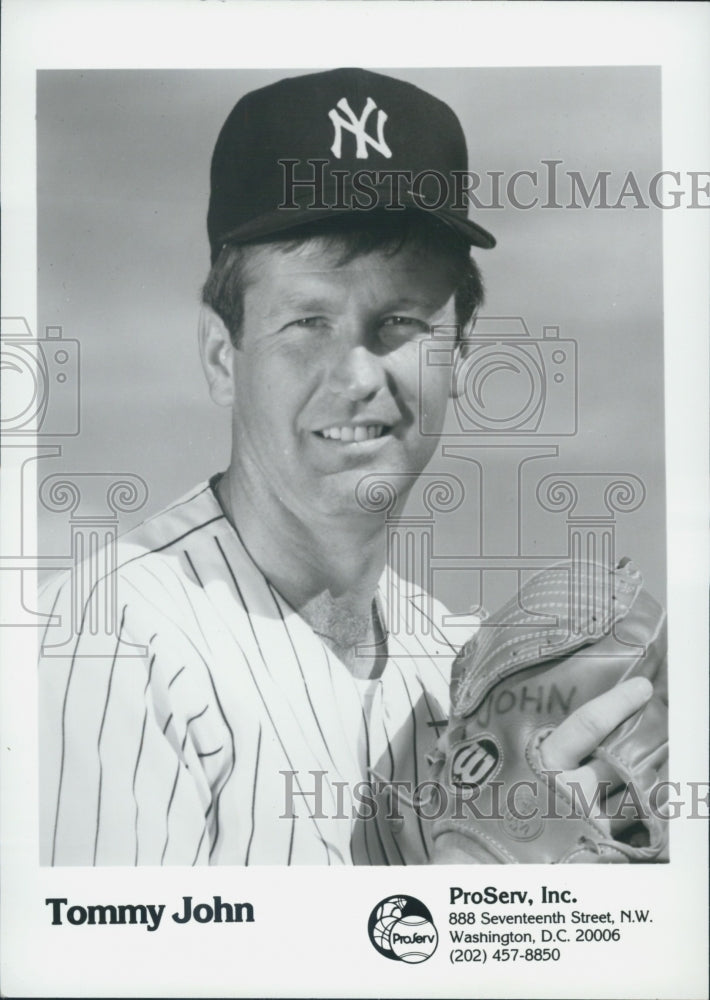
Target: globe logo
x,y
402,928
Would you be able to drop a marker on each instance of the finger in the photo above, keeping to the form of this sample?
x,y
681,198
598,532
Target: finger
x,y
583,731
593,784
582,787
597,790
587,786
595,774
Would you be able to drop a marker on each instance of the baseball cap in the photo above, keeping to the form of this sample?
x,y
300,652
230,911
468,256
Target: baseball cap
x,y
344,140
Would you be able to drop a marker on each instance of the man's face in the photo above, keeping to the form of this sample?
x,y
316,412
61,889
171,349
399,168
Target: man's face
x,y
326,375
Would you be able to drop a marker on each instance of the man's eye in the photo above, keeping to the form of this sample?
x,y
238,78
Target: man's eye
x,y
406,325
310,321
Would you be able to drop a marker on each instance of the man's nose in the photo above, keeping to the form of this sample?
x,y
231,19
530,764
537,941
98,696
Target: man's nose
x,y
357,373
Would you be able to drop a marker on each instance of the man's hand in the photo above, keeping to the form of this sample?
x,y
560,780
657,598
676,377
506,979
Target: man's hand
x,y
583,732
558,733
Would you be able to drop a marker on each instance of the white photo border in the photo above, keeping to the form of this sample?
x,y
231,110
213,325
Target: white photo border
x,y
291,950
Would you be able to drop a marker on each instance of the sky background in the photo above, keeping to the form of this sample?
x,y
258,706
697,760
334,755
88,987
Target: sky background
x,y
123,171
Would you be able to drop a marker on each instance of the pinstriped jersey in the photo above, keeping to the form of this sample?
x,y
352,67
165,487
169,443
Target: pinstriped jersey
x,y
215,727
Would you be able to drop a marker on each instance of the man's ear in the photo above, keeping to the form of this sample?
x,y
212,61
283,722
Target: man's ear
x,y
462,351
217,356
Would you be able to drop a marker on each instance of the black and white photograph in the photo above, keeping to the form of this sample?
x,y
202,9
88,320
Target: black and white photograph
x,y
355,505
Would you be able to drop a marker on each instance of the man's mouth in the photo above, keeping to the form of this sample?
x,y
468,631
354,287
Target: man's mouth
x,y
348,434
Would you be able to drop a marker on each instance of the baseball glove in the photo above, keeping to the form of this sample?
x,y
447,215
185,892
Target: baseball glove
x,y
573,632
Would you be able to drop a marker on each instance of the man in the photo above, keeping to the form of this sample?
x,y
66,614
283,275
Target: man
x,y
256,686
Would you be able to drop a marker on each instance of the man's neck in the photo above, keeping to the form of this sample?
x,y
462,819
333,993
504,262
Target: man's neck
x,y
327,569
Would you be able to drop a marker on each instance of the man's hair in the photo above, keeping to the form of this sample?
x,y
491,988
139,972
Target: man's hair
x,y
352,235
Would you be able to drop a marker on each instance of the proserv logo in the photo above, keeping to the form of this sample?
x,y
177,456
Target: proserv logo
x,y
402,928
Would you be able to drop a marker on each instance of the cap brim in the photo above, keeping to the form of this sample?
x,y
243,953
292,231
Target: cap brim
x,y
476,235
281,220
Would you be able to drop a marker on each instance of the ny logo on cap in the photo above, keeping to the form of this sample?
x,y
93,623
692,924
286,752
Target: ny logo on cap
x,y
357,127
